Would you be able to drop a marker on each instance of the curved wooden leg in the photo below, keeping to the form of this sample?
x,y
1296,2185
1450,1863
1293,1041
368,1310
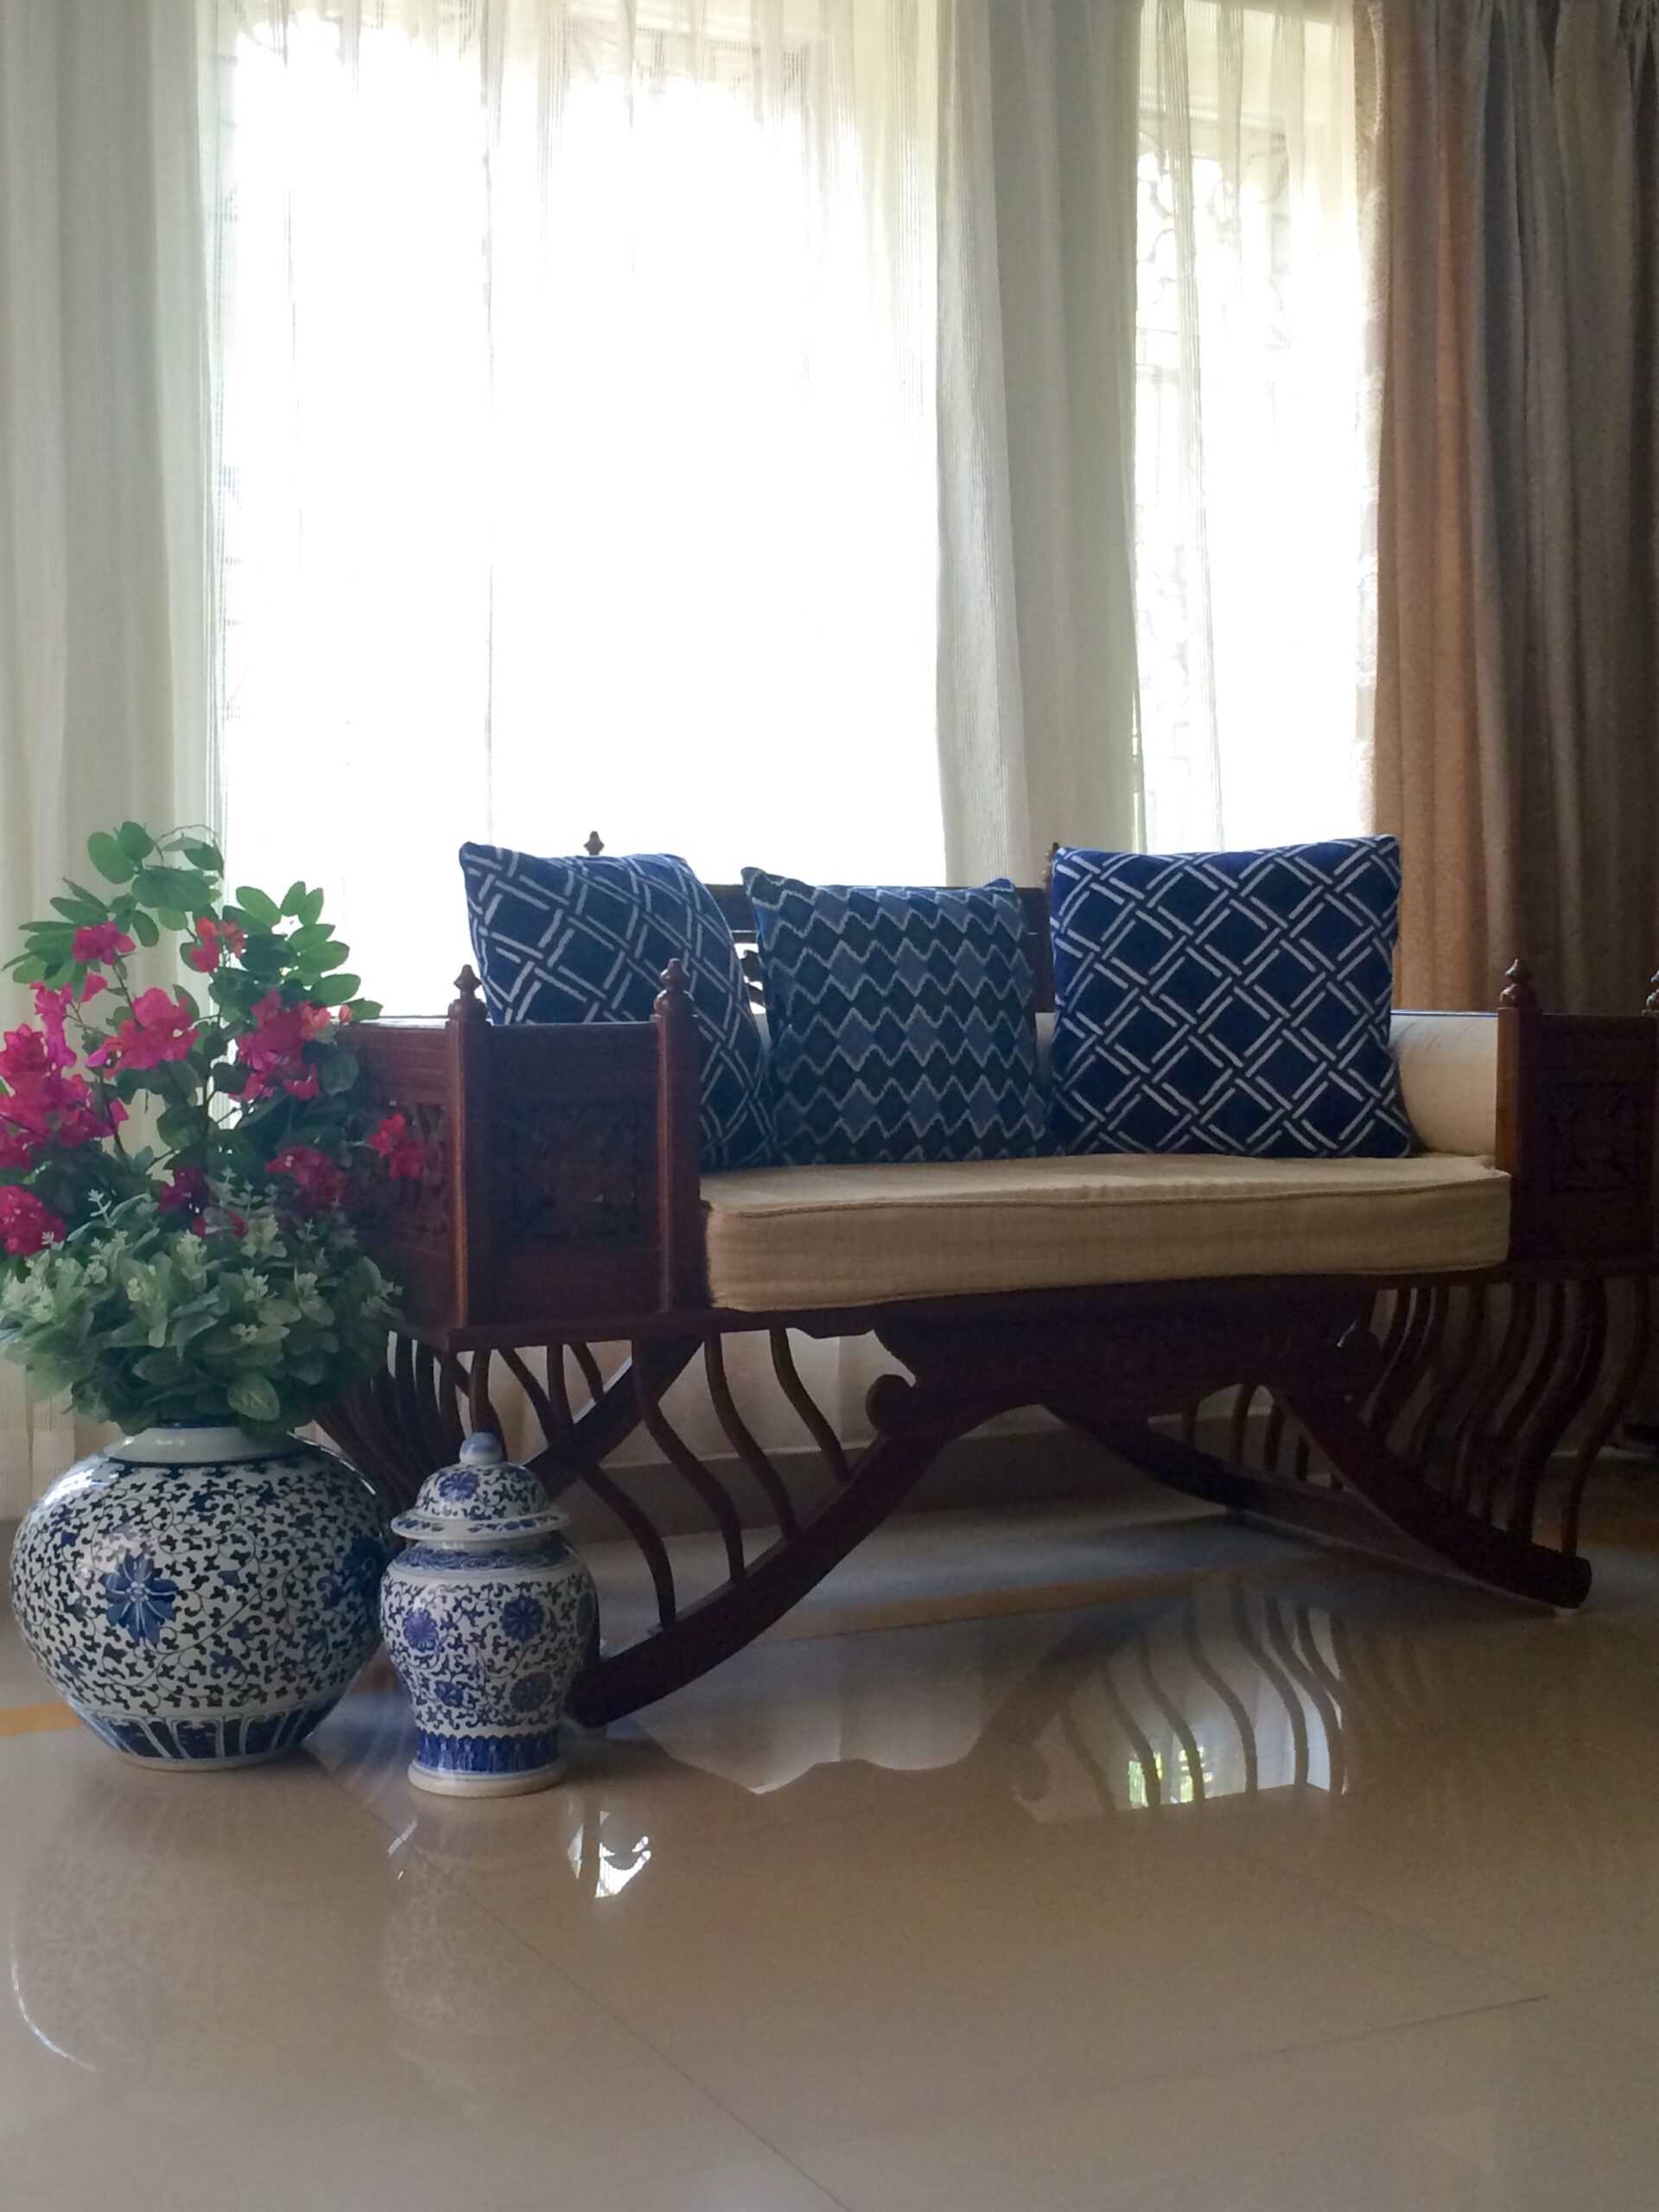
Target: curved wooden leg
x,y
405,1420
1428,1516
722,1623
1303,1509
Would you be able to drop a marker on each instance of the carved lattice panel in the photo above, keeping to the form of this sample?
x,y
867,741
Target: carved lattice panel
x,y
572,1172
1596,1137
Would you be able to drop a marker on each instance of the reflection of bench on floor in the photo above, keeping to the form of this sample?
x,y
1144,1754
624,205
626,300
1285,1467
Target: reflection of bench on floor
x,y
1419,1336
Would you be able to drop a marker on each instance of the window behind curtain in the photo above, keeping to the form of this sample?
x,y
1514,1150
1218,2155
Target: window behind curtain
x,y
575,373
1249,472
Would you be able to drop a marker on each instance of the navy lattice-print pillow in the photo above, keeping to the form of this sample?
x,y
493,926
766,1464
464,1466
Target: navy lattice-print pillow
x,y
902,1022
587,940
1227,1003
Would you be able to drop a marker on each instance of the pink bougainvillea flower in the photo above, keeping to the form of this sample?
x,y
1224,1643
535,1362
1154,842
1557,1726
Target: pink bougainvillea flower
x,y
322,1184
275,1054
53,1008
26,1225
214,940
100,941
24,1053
16,1152
162,1028
48,1106
185,1194
399,1147
220,1218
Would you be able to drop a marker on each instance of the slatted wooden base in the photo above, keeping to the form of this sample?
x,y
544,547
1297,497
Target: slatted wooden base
x,y
1419,1421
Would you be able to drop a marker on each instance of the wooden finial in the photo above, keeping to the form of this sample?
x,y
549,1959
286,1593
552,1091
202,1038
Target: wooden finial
x,y
674,993
1048,866
466,1005
594,846
1518,989
1652,1006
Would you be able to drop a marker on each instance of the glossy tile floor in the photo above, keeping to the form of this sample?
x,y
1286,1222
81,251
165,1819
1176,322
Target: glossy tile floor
x,y
1258,1882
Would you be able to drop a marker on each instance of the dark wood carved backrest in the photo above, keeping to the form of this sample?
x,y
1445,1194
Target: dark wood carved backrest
x,y
733,902
1578,1130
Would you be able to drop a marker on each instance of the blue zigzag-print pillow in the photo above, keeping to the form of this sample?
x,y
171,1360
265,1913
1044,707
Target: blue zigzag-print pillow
x,y
903,1024
587,940
1227,1003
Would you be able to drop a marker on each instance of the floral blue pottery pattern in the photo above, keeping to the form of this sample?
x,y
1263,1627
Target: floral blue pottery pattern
x,y
202,1610
486,1627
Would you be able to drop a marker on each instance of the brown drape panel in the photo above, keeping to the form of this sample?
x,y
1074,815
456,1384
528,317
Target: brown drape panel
x,y
1516,713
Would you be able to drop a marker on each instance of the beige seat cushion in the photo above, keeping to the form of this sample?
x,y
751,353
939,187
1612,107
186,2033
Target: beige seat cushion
x,y
782,1238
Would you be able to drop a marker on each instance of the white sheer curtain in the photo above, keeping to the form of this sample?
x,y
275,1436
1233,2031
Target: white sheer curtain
x,y
577,441
1038,694
106,707
1151,371
1250,469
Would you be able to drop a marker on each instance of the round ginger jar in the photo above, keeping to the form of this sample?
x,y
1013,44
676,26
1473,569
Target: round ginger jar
x,y
199,1596
488,1617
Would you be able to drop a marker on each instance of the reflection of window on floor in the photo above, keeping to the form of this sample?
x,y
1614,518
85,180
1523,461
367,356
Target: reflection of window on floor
x,y
604,1865
1248,483
1176,1790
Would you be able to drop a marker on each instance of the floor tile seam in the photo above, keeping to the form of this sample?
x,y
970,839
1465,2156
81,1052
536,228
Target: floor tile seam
x,y
519,1942
617,2020
682,2174
1454,1953
1161,2076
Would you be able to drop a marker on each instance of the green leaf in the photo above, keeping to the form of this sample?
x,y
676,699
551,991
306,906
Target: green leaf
x,y
108,857
367,1009
315,937
174,888
26,968
331,956
252,1397
144,928
134,838
294,897
310,907
338,1072
263,957
178,1126
203,855
259,907
334,991
83,909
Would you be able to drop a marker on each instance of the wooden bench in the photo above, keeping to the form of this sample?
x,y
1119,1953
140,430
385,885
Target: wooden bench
x,y
1412,1408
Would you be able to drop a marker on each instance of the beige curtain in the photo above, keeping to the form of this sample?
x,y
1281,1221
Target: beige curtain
x,y
105,637
1517,691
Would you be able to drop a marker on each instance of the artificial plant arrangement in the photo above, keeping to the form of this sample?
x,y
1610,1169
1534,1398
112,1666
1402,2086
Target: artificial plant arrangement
x,y
182,1170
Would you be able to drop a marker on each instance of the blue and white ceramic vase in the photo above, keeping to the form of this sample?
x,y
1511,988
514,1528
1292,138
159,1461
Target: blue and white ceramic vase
x,y
202,1596
488,1617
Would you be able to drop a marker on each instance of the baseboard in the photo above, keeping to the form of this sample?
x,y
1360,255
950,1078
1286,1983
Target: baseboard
x,y
1046,1466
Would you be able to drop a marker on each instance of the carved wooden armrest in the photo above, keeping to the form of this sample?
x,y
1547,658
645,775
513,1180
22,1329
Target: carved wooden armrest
x,y
562,1178
1576,1131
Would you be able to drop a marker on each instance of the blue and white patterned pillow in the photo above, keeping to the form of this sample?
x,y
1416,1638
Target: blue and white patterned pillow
x,y
587,940
1227,1003
902,1022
